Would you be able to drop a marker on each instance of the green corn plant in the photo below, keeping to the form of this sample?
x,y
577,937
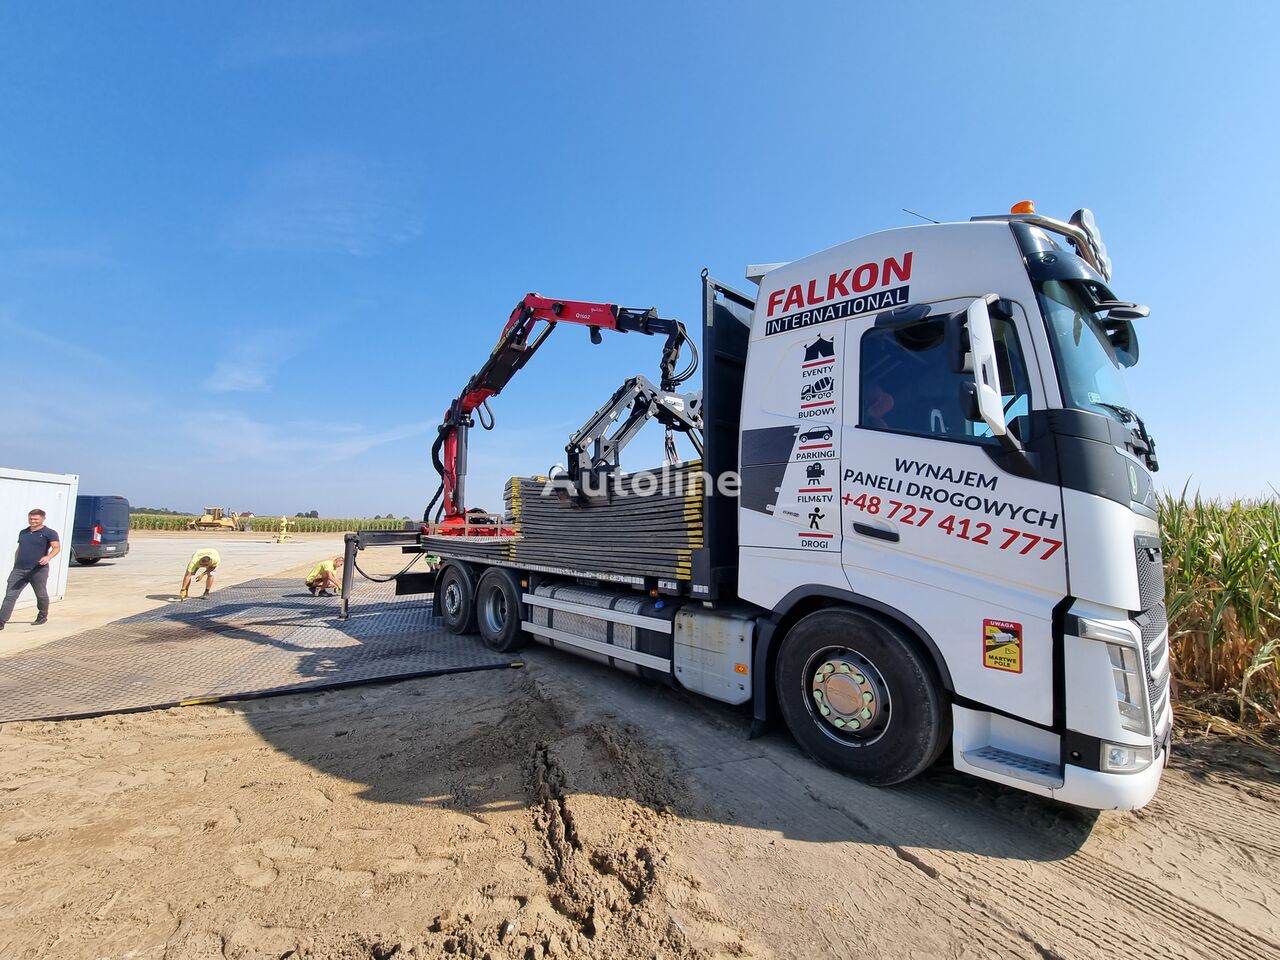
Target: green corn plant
x,y
1222,596
1266,658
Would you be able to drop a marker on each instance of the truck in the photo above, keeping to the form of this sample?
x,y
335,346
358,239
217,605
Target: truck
x,y
927,519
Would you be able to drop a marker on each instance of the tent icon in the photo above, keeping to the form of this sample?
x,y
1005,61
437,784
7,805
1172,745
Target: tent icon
x,y
820,349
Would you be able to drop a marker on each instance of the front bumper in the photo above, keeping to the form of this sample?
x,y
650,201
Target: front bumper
x,y
1030,758
1111,791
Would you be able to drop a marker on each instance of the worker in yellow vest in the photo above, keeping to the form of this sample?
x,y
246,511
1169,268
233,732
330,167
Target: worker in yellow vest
x,y
324,577
201,566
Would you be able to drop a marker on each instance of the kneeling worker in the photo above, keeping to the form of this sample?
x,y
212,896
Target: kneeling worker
x,y
204,561
324,577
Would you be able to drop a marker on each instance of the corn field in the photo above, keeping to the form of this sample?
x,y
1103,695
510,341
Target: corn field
x,y
1222,586
152,521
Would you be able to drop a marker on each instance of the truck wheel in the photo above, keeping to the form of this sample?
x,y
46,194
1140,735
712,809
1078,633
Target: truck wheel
x,y
456,589
87,561
498,611
860,697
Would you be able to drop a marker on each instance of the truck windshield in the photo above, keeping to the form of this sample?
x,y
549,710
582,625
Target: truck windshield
x,y
1090,368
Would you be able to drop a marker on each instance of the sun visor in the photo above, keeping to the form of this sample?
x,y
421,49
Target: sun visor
x,y
1051,262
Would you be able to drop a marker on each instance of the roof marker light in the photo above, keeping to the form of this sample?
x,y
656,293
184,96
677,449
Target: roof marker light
x,y
1023,206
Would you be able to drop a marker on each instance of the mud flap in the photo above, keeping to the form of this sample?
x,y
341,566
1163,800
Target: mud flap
x,y
414,583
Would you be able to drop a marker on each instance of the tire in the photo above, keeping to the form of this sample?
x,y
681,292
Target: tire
x,y
498,611
456,590
87,561
884,720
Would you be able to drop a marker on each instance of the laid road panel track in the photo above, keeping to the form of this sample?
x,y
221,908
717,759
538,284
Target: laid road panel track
x,y
256,639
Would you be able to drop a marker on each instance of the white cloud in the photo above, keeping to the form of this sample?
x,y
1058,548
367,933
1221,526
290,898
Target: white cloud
x,y
247,365
291,446
53,246
272,45
325,201
231,376
32,333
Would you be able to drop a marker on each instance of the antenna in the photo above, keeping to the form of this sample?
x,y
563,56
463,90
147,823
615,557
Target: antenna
x,y
920,215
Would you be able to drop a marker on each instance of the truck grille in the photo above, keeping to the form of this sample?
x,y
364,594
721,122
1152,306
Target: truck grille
x,y
1155,650
1150,562
1154,623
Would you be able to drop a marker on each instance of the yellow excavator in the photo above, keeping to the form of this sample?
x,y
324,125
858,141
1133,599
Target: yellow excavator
x,y
214,518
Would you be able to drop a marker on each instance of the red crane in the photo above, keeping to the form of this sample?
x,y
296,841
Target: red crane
x,y
531,322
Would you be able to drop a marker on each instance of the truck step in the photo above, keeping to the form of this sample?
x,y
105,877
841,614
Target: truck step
x,y
1015,765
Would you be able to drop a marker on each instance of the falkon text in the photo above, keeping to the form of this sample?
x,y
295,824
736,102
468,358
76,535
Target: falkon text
x,y
856,284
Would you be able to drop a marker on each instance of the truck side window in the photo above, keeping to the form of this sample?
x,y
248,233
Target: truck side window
x,y
907,384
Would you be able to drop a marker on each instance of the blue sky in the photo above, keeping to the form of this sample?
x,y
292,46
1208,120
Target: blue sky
x,y
249,251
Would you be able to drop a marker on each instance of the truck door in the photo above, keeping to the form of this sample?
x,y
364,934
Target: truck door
x,y
936,524
789,517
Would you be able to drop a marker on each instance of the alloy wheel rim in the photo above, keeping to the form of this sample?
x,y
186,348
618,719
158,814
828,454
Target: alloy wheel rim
x,y
847,696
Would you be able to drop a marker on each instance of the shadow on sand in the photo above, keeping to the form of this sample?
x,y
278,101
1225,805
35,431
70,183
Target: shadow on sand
x,y
486,742
480,742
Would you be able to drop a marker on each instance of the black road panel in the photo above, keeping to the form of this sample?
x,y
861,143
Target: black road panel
x,y
254,639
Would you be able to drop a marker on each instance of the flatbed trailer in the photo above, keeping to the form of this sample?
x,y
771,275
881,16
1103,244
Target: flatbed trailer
x,y
926,518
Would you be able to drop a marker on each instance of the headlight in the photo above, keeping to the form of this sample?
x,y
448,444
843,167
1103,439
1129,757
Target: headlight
x,y
1121,758
1131,698
1128,673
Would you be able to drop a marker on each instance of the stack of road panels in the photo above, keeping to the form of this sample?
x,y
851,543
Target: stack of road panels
x,y
644,524
479,548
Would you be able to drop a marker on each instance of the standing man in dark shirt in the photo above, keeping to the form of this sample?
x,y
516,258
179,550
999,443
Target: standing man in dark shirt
x,y
37,545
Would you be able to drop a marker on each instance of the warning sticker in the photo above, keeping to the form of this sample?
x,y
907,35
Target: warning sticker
x,y
1002,645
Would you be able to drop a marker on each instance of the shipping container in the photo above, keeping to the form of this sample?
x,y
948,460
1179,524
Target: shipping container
x,y
55,494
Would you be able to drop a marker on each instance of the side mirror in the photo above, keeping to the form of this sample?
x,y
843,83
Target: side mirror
x,y
969,401
958,345
1124,340
986,373
1124,311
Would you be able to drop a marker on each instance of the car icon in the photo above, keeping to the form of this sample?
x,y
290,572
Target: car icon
x,y
816,433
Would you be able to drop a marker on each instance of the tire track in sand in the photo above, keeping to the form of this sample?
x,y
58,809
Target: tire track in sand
x,y
1063,890
761,784
1068,903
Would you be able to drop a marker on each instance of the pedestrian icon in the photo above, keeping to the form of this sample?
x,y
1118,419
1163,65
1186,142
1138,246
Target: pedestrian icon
x,y
814,516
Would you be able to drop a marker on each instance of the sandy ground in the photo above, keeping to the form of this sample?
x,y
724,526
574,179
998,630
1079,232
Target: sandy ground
x,y
565,810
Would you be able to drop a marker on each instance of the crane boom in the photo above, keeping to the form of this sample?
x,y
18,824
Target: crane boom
x,y
530,323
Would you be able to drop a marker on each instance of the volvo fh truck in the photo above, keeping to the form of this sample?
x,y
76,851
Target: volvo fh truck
x,y
941,530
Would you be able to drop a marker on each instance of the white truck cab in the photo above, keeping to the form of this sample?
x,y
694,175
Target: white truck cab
x,y
945,491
